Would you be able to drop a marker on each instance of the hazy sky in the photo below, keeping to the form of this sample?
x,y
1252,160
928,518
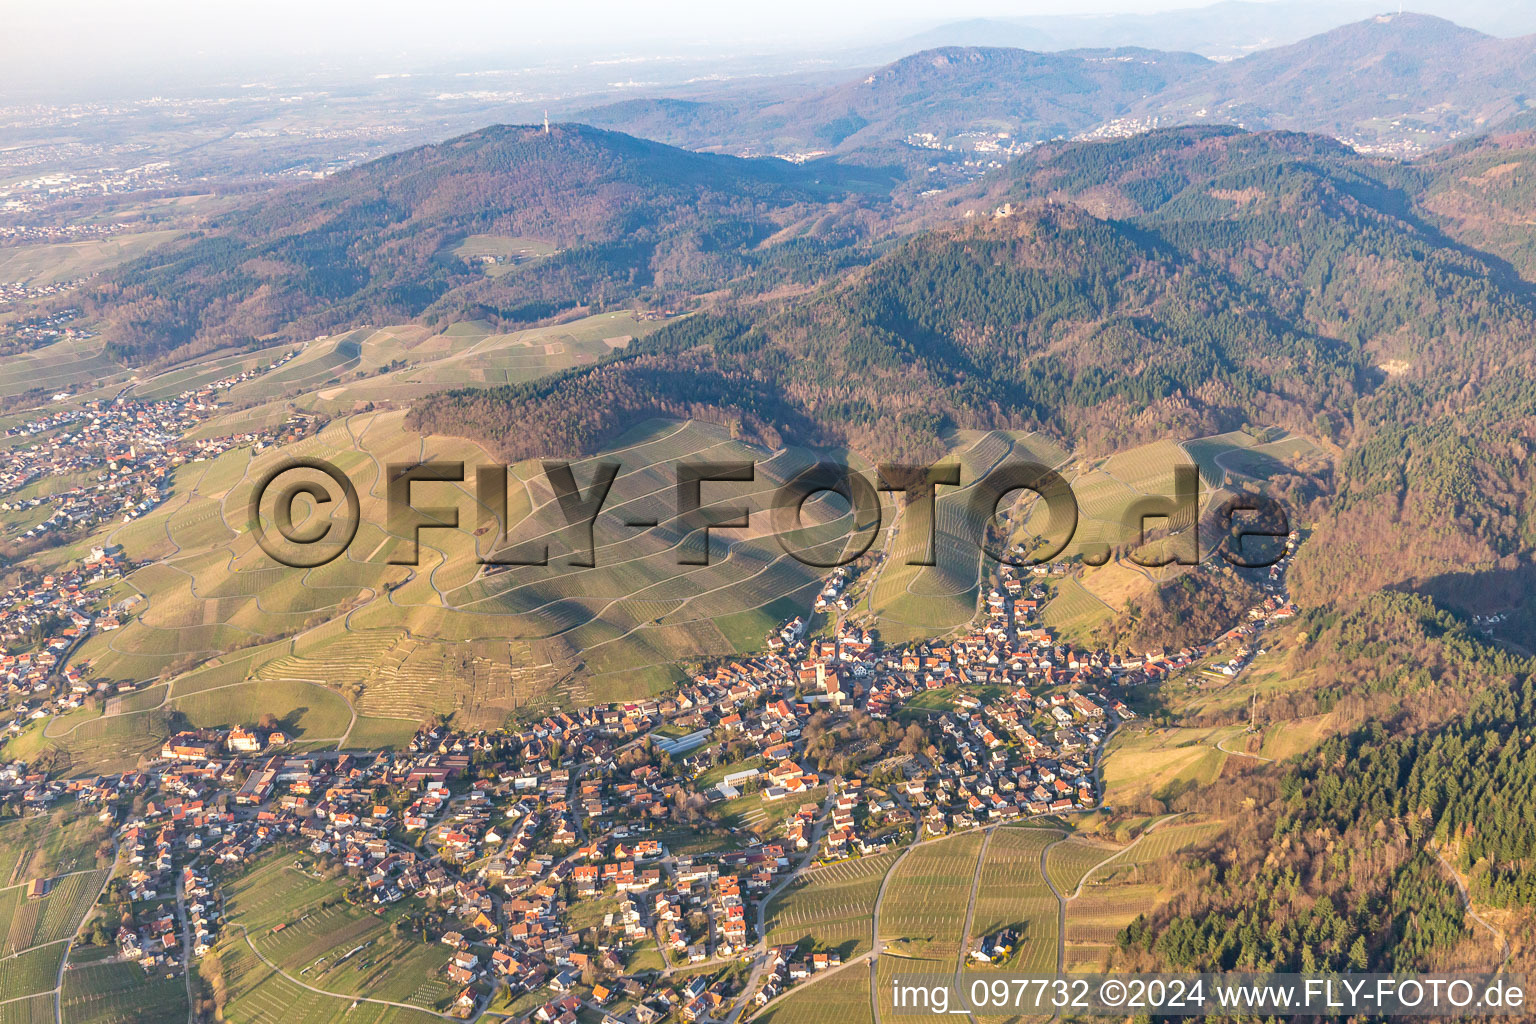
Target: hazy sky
x,y
35,26
56,41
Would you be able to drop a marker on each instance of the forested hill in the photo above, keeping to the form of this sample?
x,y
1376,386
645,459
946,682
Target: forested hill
x,y
1228,276
615,216
1385,81
1398,84
1247,278
1047,318
941,92
1483,190
1337,860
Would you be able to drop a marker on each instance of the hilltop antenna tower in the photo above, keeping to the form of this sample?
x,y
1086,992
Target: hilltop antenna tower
x,y
546,122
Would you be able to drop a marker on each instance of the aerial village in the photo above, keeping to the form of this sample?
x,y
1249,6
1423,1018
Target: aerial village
x,y
680,816
128,449
130,452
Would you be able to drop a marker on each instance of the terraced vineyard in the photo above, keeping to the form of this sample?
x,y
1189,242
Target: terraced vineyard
x,y
1114,894
923,914
916,600
261,995
299,922
63,362
116,992
1171,839
1068,861
237,636
842,996
36,933
1012,894
832,905
1074,610
30,972
51,918
1207,451
1096,917
31,1010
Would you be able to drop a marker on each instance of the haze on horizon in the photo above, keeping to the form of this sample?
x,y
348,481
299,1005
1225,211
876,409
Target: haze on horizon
x,y
60,49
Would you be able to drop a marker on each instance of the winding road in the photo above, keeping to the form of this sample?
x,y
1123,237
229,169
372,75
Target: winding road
x,y
1466,906
245,934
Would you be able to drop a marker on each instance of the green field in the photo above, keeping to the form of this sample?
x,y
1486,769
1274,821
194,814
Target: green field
x,y
1170,839
64,261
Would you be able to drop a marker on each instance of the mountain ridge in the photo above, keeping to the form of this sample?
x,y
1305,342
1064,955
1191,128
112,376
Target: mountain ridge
x,y
624,216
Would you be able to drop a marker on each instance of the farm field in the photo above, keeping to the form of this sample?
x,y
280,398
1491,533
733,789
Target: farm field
x,y
36,932
831,905
51,918
1237,455
1012,894
1162,763
1106,492
1074,611
1096,917
915,600
86,743
47,845
923,914
260,995
1283,740
60,364
406,362
116,992
64,261
30,972
313,712
514,249
327,943
37,1009
1169,839
841,997
381,733
200,372
391,636
1069,860
1113,895
1208,452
